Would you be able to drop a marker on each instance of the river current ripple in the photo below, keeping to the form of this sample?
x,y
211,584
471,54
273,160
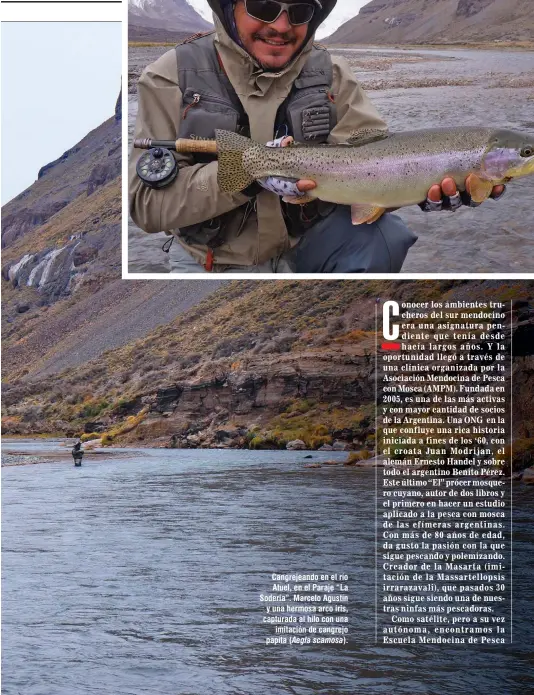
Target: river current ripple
x,y
141,575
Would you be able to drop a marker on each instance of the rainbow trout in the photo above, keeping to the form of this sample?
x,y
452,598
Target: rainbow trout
x,y
376,171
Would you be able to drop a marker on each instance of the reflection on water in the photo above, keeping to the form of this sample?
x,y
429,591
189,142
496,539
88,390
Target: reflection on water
x,y
141,576
497,237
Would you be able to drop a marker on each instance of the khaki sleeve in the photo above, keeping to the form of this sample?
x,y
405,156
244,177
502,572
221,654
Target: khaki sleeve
x,y
354,108
194,196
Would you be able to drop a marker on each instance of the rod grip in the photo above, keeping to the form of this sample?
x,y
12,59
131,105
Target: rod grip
x,y
181,145
202,146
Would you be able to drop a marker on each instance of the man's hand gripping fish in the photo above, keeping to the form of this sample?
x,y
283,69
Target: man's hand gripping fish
x,y
376,171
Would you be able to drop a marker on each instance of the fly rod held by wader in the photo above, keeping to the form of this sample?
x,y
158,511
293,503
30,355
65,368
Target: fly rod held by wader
x,y
157,168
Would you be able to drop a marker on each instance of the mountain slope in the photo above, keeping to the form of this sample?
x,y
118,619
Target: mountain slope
x,y
62,234
70,333
438,21
62,297
162,20
80,171
137,34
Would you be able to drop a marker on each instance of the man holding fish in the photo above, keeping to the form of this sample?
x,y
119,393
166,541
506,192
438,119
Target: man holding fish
x,y
259,75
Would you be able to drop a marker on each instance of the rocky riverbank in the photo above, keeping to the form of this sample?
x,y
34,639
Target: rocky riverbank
x,y
21,459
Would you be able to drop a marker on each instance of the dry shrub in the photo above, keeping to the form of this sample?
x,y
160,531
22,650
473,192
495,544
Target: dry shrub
x,y
355,336
32,413
90,436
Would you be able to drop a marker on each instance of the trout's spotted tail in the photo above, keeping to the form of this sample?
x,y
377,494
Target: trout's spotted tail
x,y
231,147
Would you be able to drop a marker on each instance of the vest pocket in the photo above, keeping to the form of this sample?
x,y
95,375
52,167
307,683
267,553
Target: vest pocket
x,y
203,113
311,116
204,233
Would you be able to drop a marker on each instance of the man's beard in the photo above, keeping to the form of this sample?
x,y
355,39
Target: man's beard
x,y
275,35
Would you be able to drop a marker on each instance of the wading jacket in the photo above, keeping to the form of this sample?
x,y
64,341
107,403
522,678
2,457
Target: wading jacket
x,y
317,96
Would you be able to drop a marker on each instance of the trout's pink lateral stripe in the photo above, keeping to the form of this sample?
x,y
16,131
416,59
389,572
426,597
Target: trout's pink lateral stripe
x,y
389,171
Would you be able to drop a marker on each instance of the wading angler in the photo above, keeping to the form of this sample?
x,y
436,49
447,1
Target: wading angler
x,y
260,75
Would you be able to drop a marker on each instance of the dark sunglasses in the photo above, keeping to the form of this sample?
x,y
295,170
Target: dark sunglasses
x,y
269,10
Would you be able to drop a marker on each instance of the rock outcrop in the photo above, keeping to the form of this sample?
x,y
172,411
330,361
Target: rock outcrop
x,y
269,382
469,8
21,222
252,397
53,270
296,445
102,173
48,167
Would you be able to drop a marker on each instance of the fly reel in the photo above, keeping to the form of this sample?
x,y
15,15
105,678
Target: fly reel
x,y
157,168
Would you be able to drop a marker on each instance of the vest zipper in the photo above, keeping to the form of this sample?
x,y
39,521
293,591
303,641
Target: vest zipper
x,y
196,99
210,98
217,100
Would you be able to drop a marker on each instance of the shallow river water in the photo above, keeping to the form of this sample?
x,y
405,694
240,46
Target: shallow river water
x,y
141,575
415,89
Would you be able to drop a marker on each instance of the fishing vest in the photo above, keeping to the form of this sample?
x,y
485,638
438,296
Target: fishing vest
x,y
210,102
